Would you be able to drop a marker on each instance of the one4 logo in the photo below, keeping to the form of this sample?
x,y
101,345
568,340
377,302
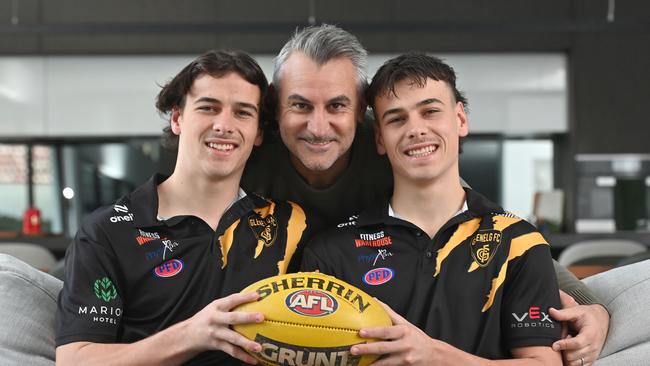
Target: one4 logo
x,y
104,289
121,209
265,229
484,245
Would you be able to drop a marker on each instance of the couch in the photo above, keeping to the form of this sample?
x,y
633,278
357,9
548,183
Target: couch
x,y
28,307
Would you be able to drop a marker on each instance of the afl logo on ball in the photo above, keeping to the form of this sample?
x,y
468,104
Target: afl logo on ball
x,y
168,269
312,303
378,276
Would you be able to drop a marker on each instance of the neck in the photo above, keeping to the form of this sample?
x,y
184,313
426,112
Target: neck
x,y
203,198
429,205
322,179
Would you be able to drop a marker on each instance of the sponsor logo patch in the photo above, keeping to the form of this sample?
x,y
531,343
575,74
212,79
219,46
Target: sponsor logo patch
x,y
169,269
373,258
265,229
104,289
533,318
146,237
279,353
311,303
378,276
484,245
373,240
168,245
121,209
153,254
126,218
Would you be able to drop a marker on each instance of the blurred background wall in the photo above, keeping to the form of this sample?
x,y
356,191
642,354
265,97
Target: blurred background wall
x,y
558,95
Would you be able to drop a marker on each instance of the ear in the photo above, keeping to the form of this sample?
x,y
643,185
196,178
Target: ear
x,y
259,138
379,141
461,118
175,121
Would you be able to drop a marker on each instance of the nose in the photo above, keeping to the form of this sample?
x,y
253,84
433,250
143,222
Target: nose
x,y
416,130
318,123
223,123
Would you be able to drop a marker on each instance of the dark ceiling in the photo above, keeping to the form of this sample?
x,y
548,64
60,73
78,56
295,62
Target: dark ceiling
x,y
262,26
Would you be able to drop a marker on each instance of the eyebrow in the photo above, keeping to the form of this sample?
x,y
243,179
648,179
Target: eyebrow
x,y
299,98
429,101
339,99
417,105
217,101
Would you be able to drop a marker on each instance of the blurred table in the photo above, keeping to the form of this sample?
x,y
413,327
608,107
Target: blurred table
x,y
585,270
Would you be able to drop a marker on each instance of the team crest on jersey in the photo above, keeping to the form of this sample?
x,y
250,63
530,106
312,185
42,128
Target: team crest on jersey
x,y
484,245
265,229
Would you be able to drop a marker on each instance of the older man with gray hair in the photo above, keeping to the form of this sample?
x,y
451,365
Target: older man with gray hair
x,y
325,155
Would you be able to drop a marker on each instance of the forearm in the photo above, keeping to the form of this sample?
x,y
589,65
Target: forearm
x,y
525,356
168,347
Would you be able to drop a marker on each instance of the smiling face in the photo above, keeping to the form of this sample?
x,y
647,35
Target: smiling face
x,y
318,110
217,127
419,128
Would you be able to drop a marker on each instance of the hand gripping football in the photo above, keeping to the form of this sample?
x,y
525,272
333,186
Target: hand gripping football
x,y
310,319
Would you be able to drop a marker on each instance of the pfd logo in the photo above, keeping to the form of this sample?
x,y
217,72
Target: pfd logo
x,y
484,245
169,269
378,276
311,303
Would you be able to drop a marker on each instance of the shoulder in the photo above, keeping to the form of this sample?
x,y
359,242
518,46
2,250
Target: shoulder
x,y
336,236
107,222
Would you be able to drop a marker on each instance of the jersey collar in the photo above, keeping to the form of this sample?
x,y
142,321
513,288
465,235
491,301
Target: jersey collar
x,y
144,204
477,205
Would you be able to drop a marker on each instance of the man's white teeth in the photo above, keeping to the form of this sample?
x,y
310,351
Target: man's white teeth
x,y
221,147
423,151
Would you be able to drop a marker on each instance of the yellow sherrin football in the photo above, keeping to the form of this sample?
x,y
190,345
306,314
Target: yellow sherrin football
x,y
310,319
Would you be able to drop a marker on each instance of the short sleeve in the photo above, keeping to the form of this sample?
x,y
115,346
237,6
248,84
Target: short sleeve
x,y
530,291
90,305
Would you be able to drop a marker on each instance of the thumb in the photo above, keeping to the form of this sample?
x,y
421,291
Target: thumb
x,y
563,315
567,300
561,345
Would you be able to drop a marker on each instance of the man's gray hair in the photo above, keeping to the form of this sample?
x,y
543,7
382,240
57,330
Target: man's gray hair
x,y
323,43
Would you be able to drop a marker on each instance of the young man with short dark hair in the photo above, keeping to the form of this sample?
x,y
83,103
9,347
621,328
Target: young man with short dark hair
x,y
471,283
152,279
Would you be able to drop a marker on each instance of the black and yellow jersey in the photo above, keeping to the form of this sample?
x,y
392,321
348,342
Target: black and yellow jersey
x,y
130,274
483,284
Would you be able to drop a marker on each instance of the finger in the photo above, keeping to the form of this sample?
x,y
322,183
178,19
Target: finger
x,y
560,345
565,330
575,361
394,317
566,300
229,302
375,348
395,360
568,314
571,344
240,317
226,336
394,332
238,353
